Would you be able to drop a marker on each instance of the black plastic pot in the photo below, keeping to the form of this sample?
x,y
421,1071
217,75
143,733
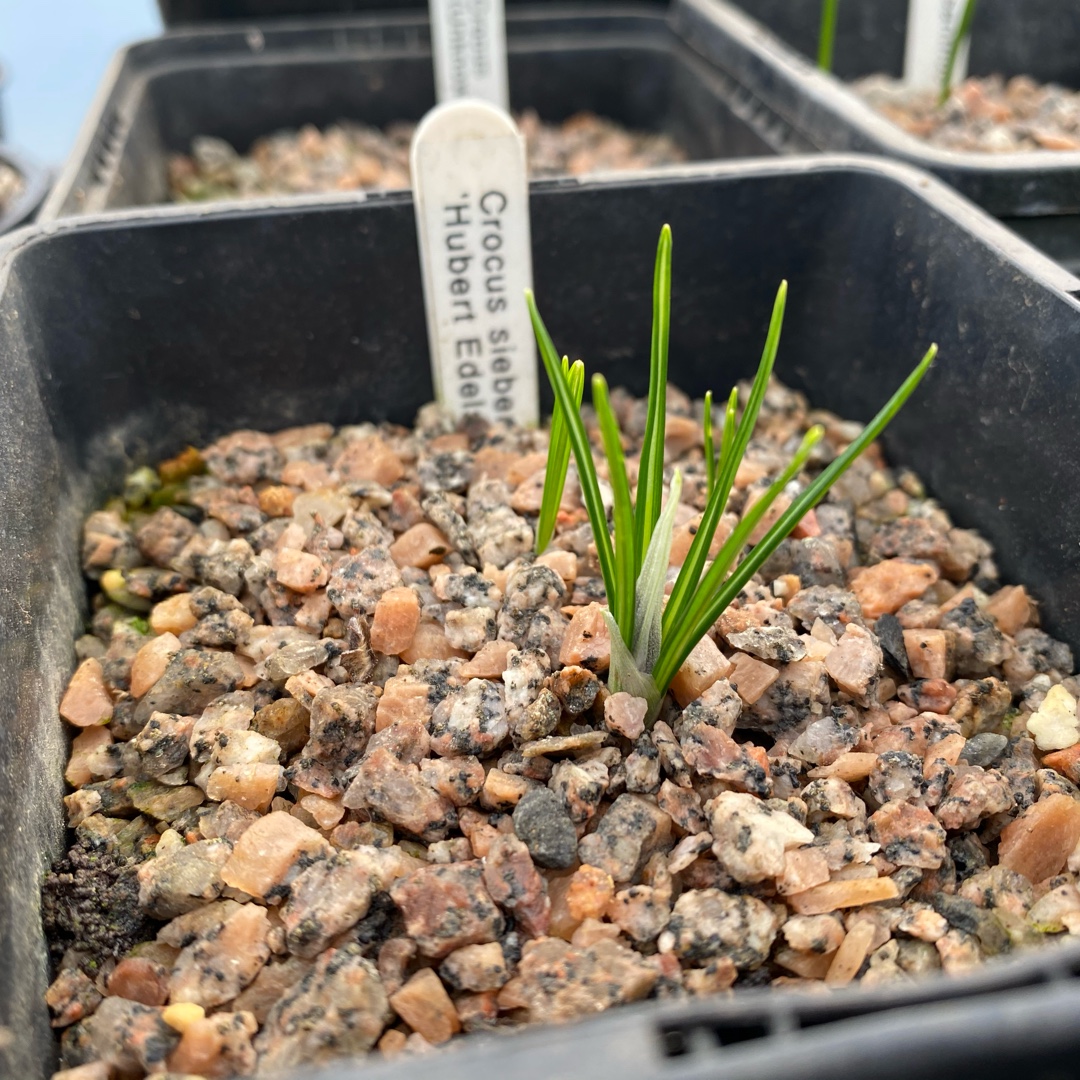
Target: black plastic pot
x,y
619,61
24,206
1039,38
189,12
1036,37
125,337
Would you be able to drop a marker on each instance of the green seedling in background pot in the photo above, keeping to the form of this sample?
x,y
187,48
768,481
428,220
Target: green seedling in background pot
x,y
827,34
963,32
650,640
827,42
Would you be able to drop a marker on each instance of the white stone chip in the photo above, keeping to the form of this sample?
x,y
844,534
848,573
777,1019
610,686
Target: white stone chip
x,y
1055,726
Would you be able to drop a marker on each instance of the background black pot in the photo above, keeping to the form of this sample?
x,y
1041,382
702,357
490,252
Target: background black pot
x,y
1037,193
239,84
1037,37
124,338
21,209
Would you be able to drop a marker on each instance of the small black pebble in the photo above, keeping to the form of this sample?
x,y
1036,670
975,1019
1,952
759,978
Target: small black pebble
x,y
543,825
891,636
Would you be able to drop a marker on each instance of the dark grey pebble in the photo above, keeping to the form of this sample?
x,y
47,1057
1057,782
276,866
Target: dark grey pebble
x,y
543,825
983,749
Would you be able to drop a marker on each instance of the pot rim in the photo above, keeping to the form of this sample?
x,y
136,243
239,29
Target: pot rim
x,y
919,183
768,1010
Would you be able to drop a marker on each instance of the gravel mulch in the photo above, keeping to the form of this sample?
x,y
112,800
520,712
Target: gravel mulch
x,y
350,156
347,775
988,115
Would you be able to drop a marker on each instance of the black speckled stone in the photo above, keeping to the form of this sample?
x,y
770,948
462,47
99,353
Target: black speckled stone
x,y
543,825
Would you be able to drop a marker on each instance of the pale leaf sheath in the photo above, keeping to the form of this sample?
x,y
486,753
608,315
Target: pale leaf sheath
x,y
649,595
624,676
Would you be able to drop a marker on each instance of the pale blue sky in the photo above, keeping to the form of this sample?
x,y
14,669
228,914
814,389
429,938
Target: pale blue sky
x,y
54,53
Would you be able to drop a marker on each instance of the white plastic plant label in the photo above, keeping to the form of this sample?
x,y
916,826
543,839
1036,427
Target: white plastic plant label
x,y
932,25
468,39
472,222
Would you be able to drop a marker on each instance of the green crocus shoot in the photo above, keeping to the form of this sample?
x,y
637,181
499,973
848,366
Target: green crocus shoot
x,y
651,637
558,458
963,32
827,34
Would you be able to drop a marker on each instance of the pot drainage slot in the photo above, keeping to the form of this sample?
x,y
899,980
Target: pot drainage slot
x,y
683,1039
105,154
730,1034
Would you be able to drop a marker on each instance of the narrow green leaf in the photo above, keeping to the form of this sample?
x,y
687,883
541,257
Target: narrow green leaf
x,y
676,651
622,603
687,582
740,535
827,34
651,470
963,31
727,439
624,676
558,459
649,594
710,458
579,441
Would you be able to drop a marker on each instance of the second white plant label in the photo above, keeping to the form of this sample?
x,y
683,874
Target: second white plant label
x,y
932,24
472,219
468,40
